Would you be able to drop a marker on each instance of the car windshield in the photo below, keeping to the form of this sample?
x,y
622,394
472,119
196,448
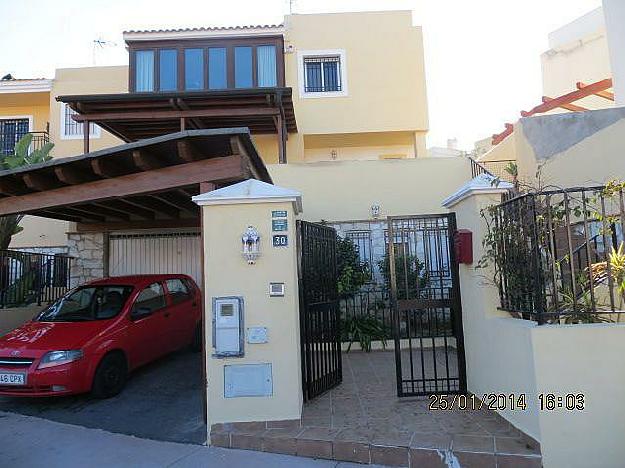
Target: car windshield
x,y
87,303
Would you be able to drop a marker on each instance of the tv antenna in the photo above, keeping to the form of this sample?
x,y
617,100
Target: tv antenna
x,y
292,6
101,44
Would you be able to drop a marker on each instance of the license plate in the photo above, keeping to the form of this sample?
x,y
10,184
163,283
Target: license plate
x,y
11,378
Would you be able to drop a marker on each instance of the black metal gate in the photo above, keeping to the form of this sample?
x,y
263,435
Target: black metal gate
x,y
319,312
427,321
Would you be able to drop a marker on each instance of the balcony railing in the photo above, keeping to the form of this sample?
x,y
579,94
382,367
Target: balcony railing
x,y
559,254
8,140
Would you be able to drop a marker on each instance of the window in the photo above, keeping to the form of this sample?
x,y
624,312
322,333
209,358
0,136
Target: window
x,y
87,303
70,129
11,130
168,69
362,241
144,71
243,67
217,68
266,65
152,297
193,69
178,291
322,73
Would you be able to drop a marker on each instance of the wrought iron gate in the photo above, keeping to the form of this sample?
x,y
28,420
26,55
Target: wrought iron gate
x,y
319,312
427,321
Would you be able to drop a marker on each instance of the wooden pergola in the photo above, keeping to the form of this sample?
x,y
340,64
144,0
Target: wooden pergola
x,y
136,116
566,101
144,184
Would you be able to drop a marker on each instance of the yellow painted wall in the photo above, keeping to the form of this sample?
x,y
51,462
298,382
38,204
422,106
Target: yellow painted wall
x,y
385,72
228,274
90,80
345,190
35,105
510,355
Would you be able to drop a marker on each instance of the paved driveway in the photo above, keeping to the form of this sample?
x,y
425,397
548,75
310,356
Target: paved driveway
x,y
161,401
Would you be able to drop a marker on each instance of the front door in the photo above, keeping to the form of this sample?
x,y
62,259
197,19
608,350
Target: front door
x,y
427,322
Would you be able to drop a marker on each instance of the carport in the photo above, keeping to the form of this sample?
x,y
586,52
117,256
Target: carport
x,y
138,187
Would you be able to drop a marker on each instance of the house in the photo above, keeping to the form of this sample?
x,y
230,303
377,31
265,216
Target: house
x,y
237,154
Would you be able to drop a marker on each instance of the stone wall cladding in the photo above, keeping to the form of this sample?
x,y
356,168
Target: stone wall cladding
x,y
87,248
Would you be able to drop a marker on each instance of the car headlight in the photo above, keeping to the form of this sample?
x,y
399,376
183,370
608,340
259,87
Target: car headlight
x,y
57,358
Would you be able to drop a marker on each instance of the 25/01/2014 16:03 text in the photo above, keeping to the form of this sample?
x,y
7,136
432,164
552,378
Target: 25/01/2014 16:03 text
x,y
507,401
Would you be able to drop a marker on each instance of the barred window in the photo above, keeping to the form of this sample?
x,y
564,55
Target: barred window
x,y
362,241
322,74
72,129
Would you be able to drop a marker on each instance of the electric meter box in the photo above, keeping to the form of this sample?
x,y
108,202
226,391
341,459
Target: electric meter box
x,y
228,333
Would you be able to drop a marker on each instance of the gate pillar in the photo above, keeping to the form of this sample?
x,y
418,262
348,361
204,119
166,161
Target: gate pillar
x,y
251,312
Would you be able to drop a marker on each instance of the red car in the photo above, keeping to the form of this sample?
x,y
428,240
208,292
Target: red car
x,y
90,339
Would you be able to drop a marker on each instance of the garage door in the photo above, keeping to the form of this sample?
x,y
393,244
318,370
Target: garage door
x,y
156,252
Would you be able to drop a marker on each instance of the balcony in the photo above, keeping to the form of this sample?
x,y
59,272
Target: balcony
x,y
8,140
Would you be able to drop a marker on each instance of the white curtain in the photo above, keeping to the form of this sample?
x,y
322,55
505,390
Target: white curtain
x,y
266,65
144,70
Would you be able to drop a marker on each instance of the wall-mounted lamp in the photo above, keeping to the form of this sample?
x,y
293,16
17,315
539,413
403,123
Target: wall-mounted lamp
x,y
375,210
333,154
250,241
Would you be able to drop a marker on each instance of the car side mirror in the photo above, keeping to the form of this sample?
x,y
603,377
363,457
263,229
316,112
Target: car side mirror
x,y
140,312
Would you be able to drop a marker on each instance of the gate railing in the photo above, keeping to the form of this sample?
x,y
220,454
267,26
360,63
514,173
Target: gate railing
x,y
31,278
559,255
319,312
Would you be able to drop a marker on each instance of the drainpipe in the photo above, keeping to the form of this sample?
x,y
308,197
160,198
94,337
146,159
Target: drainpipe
x,y
614,12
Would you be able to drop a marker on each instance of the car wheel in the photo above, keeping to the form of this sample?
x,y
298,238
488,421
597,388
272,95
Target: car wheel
x,y
196,345
110,377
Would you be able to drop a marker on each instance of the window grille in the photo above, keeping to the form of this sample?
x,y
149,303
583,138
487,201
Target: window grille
x,y
322,74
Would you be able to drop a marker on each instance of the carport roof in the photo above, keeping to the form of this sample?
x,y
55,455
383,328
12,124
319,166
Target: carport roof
x,y
150,180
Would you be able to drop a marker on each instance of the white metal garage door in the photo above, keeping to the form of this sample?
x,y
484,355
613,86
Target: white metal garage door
x,y
156,252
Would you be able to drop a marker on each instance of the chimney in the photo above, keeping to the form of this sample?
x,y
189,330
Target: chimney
x,y
452,143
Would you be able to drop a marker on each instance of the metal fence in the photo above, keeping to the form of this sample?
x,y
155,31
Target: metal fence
x,y
559,254
10,136
32,278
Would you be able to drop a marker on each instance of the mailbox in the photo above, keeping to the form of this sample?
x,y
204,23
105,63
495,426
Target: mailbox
x,y
228,326
463,245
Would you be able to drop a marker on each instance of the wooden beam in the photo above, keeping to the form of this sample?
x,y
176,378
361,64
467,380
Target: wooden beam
x,y
69,175
105,168
604,94
129,209
39,182
11,187
81,213
569,98
570,107
85,131
226,169
187,151
107,211
177,200
207,187
177,114
145,162
154,205
55,215
127,226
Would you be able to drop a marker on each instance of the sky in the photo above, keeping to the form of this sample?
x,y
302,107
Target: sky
x,y
482,56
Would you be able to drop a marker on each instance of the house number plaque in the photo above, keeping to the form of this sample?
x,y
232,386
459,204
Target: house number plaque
x,y
280,240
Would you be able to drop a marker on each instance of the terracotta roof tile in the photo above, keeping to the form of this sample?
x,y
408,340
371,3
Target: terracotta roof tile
x,y
203,29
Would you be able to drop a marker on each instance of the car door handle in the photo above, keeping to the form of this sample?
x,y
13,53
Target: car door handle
x,y
166,314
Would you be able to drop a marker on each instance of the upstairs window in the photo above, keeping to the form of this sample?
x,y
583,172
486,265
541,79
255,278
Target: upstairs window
x,y
217,68
168,69
243,77
193,69
322,73
213,64
70,129
144,71
266,66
